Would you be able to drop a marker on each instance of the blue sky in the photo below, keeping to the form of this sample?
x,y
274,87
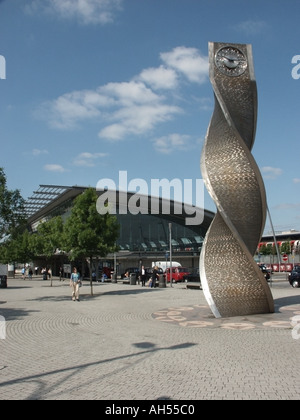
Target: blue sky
x,y
94,87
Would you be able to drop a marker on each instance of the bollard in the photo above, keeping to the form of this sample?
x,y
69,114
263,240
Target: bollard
x,y
132,279
3,282
114,278
162,281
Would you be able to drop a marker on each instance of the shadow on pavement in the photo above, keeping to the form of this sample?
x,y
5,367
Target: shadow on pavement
x,y
43,390
13,314
131,291
286,301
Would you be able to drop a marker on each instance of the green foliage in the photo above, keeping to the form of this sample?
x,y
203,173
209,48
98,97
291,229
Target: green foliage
x,y
86,232
12,213
18,249
286,247
273,249
48,238
263,250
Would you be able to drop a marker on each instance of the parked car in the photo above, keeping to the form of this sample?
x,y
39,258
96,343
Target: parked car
x,y
178,274
149,272
294,277
266,272
130,270
193,276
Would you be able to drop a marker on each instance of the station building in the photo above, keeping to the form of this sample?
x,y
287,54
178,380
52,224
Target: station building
x,y
144,237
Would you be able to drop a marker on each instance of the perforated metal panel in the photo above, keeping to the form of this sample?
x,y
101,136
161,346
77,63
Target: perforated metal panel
x,y
232,282
42,197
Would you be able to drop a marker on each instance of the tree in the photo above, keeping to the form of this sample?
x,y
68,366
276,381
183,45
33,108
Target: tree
x,y
263,250
87,233
48,238
286,247
12,208
17,249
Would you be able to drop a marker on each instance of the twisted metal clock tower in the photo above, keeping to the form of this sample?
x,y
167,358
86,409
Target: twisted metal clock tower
x,y
232,282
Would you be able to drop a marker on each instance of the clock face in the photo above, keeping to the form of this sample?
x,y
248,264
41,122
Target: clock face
x,y
230,61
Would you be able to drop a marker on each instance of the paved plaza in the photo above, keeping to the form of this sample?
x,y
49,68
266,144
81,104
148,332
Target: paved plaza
x,y
129,342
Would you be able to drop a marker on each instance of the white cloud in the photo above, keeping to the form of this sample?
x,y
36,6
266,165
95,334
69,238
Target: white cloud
x,y
137,120
189,62
296,180
159,78
129,108
85,11
68,110
171,143
87,159
271,173
54,168
128,93
125,108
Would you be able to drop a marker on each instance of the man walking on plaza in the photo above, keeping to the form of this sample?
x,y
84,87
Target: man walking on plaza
x,y
142,276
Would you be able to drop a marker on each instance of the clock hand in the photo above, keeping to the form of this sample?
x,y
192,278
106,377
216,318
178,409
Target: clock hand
x,y
230,62
231,57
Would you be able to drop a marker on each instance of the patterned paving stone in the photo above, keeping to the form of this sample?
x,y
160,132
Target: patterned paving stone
x,y
130,343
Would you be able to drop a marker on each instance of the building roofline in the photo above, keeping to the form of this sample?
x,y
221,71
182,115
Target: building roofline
x,y
57,195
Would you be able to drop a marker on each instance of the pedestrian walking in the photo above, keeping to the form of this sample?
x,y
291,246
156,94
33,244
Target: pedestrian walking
x,y
142,276
44,273
61,274
154,276
104,277
75,283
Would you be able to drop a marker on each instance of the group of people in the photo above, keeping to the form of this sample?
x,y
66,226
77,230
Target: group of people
x,y
152,280
46,273
142,276
29,271
76,282
24,271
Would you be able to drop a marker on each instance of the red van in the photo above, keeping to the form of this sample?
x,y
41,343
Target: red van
x,y
178,274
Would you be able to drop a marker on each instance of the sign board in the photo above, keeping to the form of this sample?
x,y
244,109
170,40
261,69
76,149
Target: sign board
x,y
3,269
67,268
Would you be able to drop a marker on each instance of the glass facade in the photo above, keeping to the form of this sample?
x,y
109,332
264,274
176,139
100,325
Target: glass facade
x,y
142,232
150,233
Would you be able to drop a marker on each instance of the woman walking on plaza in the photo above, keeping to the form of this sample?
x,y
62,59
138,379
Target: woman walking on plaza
x,y
75,283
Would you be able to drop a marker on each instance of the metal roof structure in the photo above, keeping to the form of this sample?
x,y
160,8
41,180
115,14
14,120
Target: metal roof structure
x,y
43,197
148,233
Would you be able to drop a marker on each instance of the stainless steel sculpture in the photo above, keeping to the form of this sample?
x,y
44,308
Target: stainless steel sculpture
x,y
232,282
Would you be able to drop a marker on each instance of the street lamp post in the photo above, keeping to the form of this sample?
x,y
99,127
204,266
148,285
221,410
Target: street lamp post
x,y
275,239
170,232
